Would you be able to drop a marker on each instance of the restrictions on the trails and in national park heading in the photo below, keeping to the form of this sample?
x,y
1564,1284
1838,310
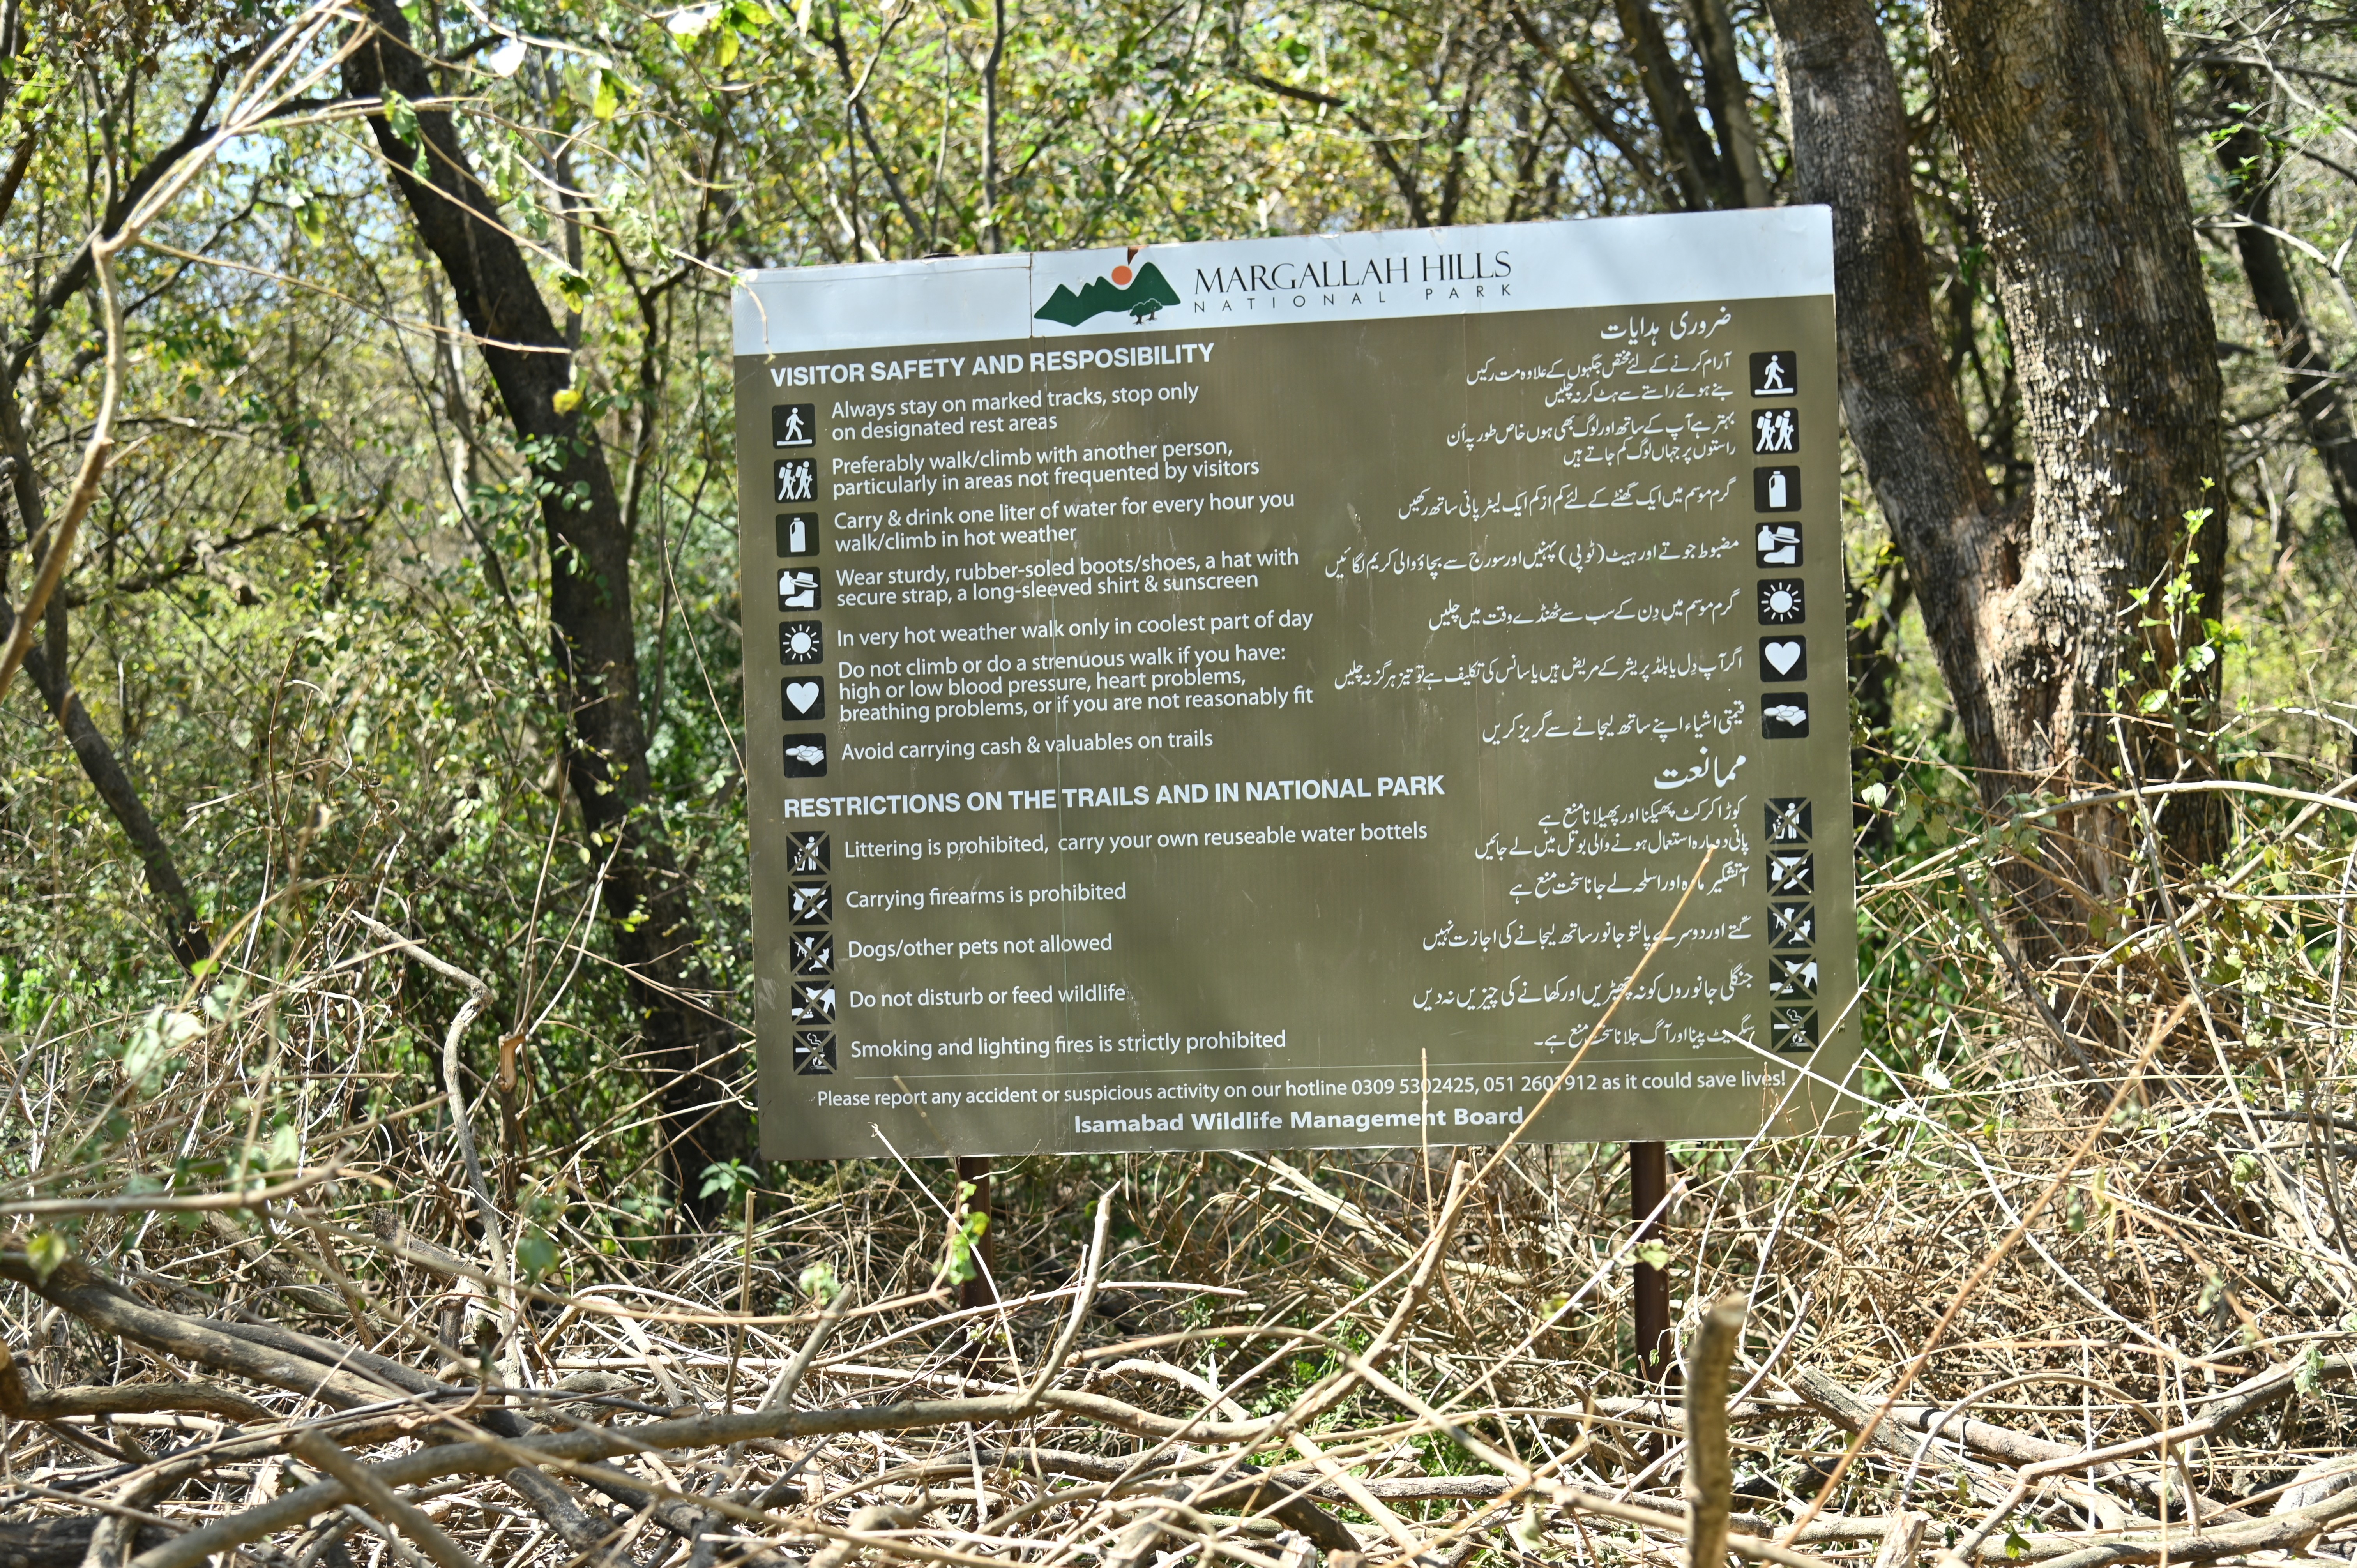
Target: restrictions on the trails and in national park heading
x,y
1274,693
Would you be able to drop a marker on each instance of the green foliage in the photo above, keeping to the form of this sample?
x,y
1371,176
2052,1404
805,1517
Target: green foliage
x,y
48,1251
727,1178
961,1254
818,1282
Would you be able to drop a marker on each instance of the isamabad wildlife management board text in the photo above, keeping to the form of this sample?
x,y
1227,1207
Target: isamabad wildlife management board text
x,y
1276,692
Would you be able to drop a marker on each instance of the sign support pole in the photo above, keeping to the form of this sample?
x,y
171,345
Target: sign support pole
x,y
1649,1182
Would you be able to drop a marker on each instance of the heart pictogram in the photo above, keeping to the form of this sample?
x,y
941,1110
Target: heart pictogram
x,y
1783,655
803,694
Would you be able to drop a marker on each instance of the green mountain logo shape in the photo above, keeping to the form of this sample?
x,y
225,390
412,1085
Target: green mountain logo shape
x,y
1147,292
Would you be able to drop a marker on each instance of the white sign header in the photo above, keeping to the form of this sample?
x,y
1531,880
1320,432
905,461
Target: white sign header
x,y
1763,252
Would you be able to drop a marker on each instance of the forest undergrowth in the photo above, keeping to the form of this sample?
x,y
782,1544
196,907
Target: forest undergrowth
x,y
2056,1292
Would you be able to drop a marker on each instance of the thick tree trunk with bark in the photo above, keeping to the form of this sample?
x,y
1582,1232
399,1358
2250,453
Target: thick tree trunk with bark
x,y
2061,111
592,634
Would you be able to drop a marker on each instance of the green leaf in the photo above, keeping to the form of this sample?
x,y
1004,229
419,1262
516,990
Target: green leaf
x,y
964,1259
574,288
285,1150
608,101
153,1044
1909,812
567,400
401,115
2310,1374
536,1253
819,1283
727,1176
1652,1254
47,1252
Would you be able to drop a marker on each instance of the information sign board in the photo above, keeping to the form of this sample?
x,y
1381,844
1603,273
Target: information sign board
x,y
1274,693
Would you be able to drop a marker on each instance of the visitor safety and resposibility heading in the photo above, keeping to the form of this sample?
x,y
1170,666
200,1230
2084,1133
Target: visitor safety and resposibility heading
x,y
1676,260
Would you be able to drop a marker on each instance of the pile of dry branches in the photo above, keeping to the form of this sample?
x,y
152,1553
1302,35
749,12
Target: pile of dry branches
x,y
261,1310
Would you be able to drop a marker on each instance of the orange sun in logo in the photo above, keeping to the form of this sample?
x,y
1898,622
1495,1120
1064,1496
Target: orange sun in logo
x,y
1122,275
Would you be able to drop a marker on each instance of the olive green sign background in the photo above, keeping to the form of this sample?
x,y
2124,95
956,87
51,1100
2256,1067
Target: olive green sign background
x,y
1487,589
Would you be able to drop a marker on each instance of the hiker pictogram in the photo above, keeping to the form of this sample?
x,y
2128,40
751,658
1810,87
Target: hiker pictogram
x,y
794,424
1775,374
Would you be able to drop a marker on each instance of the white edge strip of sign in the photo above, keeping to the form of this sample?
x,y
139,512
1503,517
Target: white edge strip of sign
x,y
1681,258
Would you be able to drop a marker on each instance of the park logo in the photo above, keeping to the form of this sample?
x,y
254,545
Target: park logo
x,y
1138,291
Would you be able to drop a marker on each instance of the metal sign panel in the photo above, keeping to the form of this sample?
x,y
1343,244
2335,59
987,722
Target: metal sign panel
x,y
1276,692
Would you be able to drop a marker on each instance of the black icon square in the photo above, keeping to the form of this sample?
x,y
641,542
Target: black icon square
x,y
1775,430
1782,602
1784,659
1791,873
1776,373
813,1052
801,697
1789,819
798,533
1776,489
814,952
1792,978
792,424
806,755
1777,545
1792,925
811,903
808,855
813,1002
1783,715
798,588
801,642
1792,1028
797,480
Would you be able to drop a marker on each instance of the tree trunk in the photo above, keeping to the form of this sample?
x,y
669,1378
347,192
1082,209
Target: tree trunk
x,y
2061,109
1704,178
593,638
184,929
1730,102
2309,381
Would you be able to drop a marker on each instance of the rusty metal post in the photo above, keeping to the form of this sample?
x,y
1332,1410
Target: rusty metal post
x,y
1649,1182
